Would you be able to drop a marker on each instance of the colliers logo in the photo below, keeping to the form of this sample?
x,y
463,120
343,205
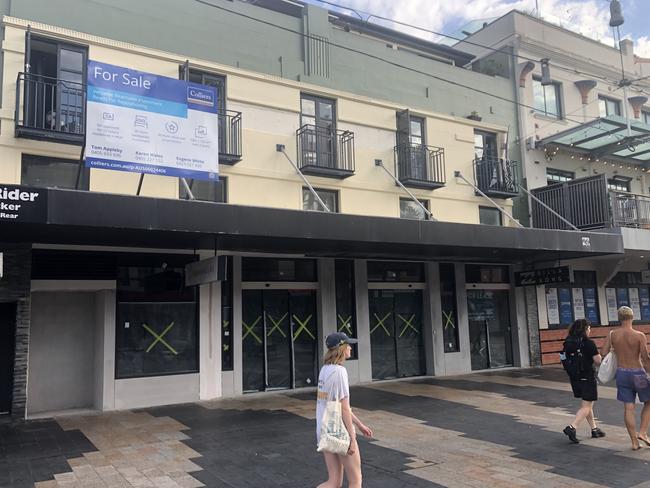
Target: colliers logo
x,y
200,96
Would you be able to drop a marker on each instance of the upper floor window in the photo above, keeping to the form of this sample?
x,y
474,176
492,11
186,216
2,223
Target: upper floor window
x,y
645,117
209,79
53,100
205,190
558,176
329,197
48,172
409,209
608,106
619,183
547,98
485,144
317,111
489,216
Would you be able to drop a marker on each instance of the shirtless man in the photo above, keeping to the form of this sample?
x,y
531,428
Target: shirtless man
x,y
631,376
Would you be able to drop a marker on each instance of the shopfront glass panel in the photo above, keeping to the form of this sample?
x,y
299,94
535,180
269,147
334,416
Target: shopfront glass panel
x,y
489,325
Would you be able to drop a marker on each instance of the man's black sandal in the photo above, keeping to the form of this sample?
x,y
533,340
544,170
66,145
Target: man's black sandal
x,y
597,433
571,434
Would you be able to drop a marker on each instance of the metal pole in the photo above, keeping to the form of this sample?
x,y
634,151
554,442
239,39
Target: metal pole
x,y
624,83
187,189
280,148
378,162
548,208
458,174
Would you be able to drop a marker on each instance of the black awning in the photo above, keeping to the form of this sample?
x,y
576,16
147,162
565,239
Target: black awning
x,y
90,218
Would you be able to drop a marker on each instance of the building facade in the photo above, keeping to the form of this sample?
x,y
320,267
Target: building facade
x,y
365,184
580,159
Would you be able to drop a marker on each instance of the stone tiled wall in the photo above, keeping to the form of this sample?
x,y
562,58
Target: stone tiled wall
x,y
15,287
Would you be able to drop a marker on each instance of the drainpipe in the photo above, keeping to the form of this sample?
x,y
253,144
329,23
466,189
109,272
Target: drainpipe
x,y
519,74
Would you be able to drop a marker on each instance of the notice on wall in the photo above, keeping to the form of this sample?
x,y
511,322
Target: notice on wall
x,y
591,305
578,303
634,303
566,310
622,298
644,302
552,306
612,314
152,124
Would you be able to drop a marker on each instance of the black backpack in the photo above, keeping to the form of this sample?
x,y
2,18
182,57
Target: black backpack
x,y
572,358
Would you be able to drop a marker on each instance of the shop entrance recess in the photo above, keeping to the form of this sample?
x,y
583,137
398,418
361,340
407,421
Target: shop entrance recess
x,y
396,335
7,344
279,338
489,328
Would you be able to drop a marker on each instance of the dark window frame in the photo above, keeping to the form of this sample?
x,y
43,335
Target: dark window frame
x,y
607,100
494,210
474,273
619,183
84,179
223,181
557,86
264,265
318,99
424,202
336,193
554,175
383,268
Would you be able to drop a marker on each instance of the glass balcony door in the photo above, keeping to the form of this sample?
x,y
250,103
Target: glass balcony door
x,y
320,147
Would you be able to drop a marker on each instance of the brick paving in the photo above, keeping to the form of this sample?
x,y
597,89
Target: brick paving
x,y
497,429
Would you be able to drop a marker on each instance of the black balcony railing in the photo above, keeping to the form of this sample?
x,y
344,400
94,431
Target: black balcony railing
x,y
50,108
630,210
420,166
325,152
54,109
230,137
584,202
496,177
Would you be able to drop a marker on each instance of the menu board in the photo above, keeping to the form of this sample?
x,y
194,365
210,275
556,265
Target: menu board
x,y
634,303
578,303
566,310
591,305
552,306
612,314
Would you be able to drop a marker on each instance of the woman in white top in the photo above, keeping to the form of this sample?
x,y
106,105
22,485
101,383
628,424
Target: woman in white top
x,y
333,385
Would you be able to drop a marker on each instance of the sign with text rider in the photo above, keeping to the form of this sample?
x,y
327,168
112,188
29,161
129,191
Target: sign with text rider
x,y
151,124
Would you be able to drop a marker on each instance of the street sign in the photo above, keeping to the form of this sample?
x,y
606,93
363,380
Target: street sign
x,y
545,276
206,271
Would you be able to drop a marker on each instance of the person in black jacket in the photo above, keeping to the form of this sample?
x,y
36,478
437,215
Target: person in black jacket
x,y
582,351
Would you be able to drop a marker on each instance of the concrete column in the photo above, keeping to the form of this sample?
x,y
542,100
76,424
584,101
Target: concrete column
x,y
210,341
542,313
432,322
363,319
519,326
105,305
238,370
532,320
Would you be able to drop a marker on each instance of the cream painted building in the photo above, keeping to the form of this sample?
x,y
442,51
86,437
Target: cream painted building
x,y
314,108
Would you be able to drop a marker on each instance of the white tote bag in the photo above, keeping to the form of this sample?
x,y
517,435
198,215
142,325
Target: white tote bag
x,y
334,436
607,370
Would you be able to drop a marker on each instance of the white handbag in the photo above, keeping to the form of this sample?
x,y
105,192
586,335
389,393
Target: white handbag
x,y
334,436
609,365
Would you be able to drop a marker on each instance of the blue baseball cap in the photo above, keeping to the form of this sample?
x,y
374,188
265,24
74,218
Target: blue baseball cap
x,y
338,338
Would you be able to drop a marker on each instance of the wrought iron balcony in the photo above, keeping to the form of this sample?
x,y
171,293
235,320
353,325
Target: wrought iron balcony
x,y
50,109
230,137
420,166
496,177
53,109
325,152
630,210
583,202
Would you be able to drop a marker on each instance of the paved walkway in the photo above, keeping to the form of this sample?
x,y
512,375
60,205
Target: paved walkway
x,y
500,429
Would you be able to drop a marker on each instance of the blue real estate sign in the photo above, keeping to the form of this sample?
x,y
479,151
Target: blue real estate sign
x,y
151,124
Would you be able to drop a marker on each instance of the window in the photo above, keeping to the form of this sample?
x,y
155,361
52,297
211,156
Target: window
x,y
558,176
404,272
318,140
489,216
227,351
619,183
628,288
345,299
54,89
47,172
317,111
608,106
448,305
205,190
478,273
485,144
412,153
157,320
408,209
570,302
546,98
329,197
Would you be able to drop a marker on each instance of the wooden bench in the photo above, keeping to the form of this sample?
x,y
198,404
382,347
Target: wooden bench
x,y
551,340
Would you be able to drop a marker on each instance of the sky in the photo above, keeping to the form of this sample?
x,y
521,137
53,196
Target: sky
x,y
589,17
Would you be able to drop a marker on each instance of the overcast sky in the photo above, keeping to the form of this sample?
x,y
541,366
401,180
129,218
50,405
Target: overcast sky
x,y
589,17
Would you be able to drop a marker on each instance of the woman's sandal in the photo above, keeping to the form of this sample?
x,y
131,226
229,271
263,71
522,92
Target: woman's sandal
x,y
645,441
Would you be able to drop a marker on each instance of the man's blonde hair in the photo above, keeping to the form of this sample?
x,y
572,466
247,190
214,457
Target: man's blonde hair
x,y
625,313
336,355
